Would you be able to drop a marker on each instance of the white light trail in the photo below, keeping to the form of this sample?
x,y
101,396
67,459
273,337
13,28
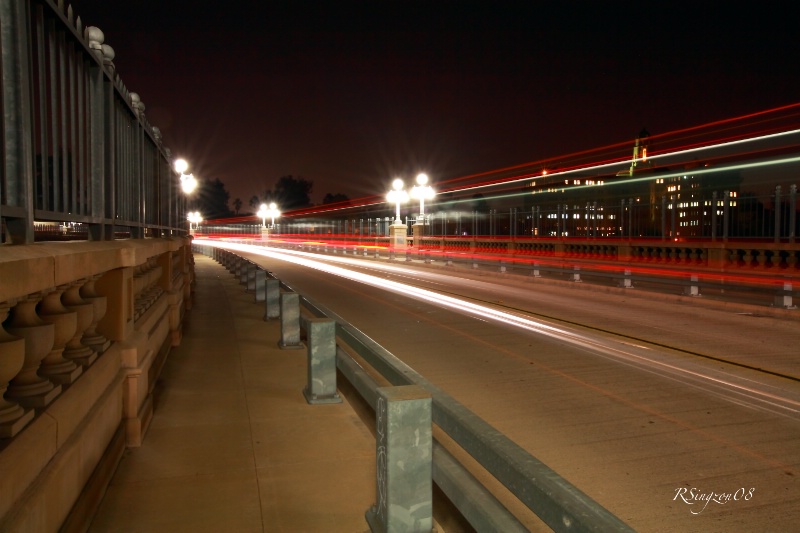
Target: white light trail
x,y
736,391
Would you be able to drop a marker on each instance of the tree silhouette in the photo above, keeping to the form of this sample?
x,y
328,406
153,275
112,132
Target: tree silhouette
x,y
211,199
254,201
237,204
292,193
334,198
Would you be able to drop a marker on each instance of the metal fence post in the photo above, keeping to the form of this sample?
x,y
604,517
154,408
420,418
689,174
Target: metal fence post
x,y
321,386
576,274
403,446
290,321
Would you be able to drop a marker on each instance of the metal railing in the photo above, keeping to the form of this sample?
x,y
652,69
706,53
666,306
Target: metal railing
x,y
558,503
78,149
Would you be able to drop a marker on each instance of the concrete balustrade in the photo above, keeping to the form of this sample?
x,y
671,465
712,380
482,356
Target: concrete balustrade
x,y
82,354
12,356
91,338
28,388
54,366
109,311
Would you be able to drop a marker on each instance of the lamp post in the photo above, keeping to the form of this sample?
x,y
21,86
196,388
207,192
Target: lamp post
x,y
262,214
265,211
398,230
188,181
188,185
397,195
423,191
274,212
194,217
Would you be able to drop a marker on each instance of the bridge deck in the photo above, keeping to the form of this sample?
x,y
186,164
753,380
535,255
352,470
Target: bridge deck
x,y
233,445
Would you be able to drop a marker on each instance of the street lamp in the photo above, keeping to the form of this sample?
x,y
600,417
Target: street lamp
x,y
265,211
422,191
397,195
188,181
262,214
273,212
194,217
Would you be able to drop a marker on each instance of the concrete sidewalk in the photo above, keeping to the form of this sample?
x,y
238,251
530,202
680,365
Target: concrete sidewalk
x,y
233,446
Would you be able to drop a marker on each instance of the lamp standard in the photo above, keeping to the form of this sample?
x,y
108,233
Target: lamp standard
x,y
262,214
194,217
423,191
188,185
397,196
188,181
397,231
273,212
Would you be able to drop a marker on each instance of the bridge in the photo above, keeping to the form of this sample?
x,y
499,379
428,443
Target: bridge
x,y
98,338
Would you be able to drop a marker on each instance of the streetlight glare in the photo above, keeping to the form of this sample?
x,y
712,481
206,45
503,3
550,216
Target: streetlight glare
x,y
422,178
188,183
180,166
397,184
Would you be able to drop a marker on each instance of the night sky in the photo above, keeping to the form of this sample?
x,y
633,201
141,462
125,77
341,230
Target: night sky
x,y
350,94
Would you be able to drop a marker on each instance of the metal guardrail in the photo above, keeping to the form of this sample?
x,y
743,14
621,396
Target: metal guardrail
x,y
77,147
559,504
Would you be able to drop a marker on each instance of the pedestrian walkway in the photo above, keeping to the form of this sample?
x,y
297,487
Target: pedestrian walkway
x,y
233,446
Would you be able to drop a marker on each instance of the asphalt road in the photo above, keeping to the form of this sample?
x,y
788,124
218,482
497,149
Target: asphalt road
x,y
654,408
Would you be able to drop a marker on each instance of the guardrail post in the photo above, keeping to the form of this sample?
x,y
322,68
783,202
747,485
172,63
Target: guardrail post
x,y
535,273
241,272
784,297
260,285
427,256
272,296
321,387
290,321
576,274
502,267
403,446
448,260
627,283
251,276
693,289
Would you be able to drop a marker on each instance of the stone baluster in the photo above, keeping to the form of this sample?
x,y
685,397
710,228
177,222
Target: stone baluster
x,y
75,350
54,366
91,337
28,388
12,356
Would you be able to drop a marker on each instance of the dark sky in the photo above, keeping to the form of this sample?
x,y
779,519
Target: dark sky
x,y
350,94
